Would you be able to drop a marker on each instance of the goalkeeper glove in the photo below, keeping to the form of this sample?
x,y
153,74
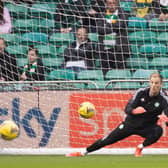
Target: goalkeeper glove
x,y
138,110
163,118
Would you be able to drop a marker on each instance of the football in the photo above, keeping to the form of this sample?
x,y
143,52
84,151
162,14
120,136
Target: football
x,y
9,130
87,110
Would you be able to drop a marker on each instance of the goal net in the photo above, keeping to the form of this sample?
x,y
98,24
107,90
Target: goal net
x,y
90,50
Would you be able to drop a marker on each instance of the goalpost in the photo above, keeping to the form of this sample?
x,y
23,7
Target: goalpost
x,y
46,111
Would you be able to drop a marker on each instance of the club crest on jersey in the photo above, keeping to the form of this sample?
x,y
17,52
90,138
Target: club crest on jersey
x,y
157,104
142,99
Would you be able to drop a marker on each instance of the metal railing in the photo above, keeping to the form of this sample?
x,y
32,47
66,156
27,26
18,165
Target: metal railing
x,y
42,85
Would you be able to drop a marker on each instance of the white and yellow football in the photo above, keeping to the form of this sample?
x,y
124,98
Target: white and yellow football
x,y
87,110
9,130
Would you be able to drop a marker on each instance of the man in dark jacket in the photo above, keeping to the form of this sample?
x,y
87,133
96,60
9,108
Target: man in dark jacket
x,y
80,54
8,66
111,25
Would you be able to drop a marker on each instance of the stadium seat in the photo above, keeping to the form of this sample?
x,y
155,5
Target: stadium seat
x,y
165,85
60,39
60,50
159,63
153,50
61,74
100,85
118,74
93,37
157,25
136,23
21,62
25,25
19,11
134,50
44,51
52,63
34,38
46,25
90,75
142,73
163,38
127,6
11,39
145,84
142,37
43,10
19,51
137,63
57,51
127,85
164,73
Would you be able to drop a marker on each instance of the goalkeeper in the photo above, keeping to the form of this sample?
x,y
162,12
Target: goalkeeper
x,y
143,111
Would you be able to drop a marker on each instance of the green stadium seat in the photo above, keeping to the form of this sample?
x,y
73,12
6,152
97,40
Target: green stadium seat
x,y
11,39
44,51
93,37
100,85
135,50
60,39
159,63
164,73
163,38
145,84
157,25
61,74
142,73
57,51
153,50
60,50
21,62
136,23
137,63
52,63
18,11
46,25
34,38
165,85
25,25
127,6
118,74
127,85
90,75
43,10
142,37
19,51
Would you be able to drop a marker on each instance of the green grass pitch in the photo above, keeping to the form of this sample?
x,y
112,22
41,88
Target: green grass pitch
x,y
91,161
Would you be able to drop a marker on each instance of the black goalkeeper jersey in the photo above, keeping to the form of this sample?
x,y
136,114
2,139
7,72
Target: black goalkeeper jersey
x,y
154,106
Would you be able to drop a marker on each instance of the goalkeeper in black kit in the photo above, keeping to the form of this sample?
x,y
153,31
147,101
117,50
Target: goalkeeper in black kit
x,y
143,111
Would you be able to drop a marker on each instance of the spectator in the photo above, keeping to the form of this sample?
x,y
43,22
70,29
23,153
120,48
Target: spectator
x,y
164,10
146,9
68,14
34,70
89,17
5,19
80,54
8,67
111,24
